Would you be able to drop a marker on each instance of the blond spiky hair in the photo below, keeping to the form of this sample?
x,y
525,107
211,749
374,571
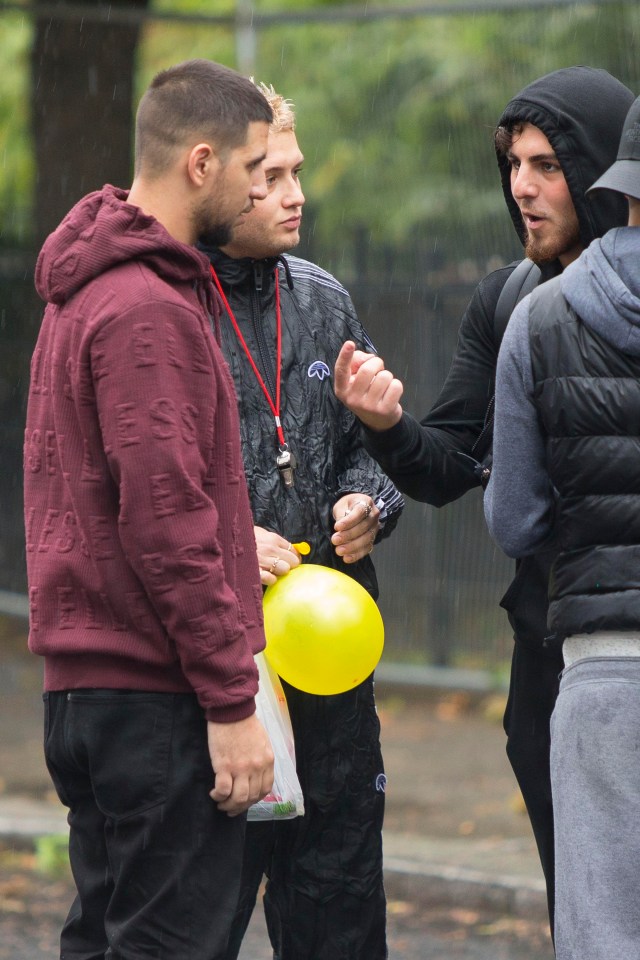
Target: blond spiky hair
x,y
284,117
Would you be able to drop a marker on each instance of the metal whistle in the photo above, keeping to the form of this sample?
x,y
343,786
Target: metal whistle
x,y
286,464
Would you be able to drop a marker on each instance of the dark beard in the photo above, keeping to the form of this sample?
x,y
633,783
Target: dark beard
x,y
542,252
216,235
549,250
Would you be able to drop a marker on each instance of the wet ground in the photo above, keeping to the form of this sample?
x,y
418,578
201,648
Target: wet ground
x,y
33,905
449,782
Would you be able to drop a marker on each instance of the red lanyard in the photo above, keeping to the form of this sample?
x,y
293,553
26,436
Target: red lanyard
x,y
275,407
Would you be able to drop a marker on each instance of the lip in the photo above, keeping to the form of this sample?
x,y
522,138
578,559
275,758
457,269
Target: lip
x,y
532,221
292,223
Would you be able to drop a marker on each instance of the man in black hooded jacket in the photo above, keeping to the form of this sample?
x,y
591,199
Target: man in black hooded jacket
x,y
555,137
310,480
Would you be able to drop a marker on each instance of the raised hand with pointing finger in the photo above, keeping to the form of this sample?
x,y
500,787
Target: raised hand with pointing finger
x,y
369,390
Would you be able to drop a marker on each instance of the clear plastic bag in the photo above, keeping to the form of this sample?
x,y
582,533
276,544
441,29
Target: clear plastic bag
x,y
285,799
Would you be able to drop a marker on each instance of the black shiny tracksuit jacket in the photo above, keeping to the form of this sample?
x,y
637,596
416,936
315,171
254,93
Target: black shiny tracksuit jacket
x,y
324,897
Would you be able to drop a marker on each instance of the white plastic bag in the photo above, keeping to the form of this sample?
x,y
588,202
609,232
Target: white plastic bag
x,y
285,799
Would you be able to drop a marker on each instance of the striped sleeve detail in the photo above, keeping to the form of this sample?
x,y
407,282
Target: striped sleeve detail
x,y
389,500
304,270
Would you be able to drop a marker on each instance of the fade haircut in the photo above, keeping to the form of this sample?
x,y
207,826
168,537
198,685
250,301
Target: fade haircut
x,y
284,117
197,100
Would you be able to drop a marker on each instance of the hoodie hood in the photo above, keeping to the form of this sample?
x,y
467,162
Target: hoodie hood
x,y
103,231
603,287
581,111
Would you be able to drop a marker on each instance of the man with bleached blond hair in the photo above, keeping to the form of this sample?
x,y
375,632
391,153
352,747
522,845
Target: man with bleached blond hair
x,y
311,480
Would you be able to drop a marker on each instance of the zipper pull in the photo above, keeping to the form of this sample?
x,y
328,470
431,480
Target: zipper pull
x,y
257,276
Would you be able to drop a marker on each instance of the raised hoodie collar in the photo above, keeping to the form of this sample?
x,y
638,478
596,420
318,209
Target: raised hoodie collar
x,y
234,272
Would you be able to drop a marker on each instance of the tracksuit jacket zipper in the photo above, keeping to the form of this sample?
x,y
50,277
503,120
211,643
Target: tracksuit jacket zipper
x,y
256,319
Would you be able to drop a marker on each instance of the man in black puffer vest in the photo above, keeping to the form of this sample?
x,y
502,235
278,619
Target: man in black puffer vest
x,y
553,140
567,469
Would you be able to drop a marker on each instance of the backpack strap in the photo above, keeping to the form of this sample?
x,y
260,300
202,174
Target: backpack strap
x,y
521,281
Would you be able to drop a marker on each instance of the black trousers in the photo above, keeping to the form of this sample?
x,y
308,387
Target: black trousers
x,y
533,690
157,867
324,898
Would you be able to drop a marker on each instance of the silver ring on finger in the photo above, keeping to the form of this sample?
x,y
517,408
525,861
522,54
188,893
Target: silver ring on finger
x,y
276,561
368,507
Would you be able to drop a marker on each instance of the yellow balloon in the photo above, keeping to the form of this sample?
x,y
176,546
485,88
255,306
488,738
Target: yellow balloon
x,y
324,631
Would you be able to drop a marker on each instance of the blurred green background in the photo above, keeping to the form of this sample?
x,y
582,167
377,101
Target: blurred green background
x,y
396,107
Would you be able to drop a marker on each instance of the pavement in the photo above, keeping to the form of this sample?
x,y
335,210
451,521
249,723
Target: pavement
x,y
455,833
502,875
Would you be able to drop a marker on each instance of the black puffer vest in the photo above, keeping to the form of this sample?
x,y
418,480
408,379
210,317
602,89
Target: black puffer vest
x,y
588,397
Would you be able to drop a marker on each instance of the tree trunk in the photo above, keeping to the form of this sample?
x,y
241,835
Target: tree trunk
x,y
82,109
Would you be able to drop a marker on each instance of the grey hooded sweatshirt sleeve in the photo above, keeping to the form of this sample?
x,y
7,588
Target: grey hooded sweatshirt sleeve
x,y
518,501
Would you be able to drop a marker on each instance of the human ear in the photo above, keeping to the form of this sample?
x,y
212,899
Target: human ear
x,y
200,162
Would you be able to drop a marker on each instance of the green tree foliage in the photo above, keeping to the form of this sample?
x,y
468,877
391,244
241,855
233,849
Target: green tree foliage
x,y
16,159
396,119
395,116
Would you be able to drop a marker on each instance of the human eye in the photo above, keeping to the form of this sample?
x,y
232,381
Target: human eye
x,y
550,166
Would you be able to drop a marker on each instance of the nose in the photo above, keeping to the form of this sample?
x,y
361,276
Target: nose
x,y
258,189
294,196
523,182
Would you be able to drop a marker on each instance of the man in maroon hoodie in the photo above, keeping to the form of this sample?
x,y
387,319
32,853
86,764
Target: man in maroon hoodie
x,y
145,596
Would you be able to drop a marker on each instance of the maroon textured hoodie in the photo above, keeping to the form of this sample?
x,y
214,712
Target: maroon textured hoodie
x,y
140,550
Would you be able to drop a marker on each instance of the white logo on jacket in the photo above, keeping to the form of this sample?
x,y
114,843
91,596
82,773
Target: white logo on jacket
x,y
318,369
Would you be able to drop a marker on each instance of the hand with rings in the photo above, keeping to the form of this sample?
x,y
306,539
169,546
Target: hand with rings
x,y
356,527
276,556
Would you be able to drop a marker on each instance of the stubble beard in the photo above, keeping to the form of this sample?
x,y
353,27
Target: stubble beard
x,y
210,229
564,238
215,234
259,244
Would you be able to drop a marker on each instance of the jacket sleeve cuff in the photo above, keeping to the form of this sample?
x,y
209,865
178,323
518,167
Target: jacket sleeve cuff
x,y
385,441
231,714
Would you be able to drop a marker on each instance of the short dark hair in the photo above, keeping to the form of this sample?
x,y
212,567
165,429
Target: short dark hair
x,y
196,98
503,136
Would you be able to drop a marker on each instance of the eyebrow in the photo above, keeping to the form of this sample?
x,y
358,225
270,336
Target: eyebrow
x,y
536,158
276,168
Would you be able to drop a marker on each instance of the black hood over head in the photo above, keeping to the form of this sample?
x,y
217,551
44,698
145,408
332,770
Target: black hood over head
x,y
581,111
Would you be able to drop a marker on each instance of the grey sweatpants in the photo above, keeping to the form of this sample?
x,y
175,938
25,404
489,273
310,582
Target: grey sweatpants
x,y
595,777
